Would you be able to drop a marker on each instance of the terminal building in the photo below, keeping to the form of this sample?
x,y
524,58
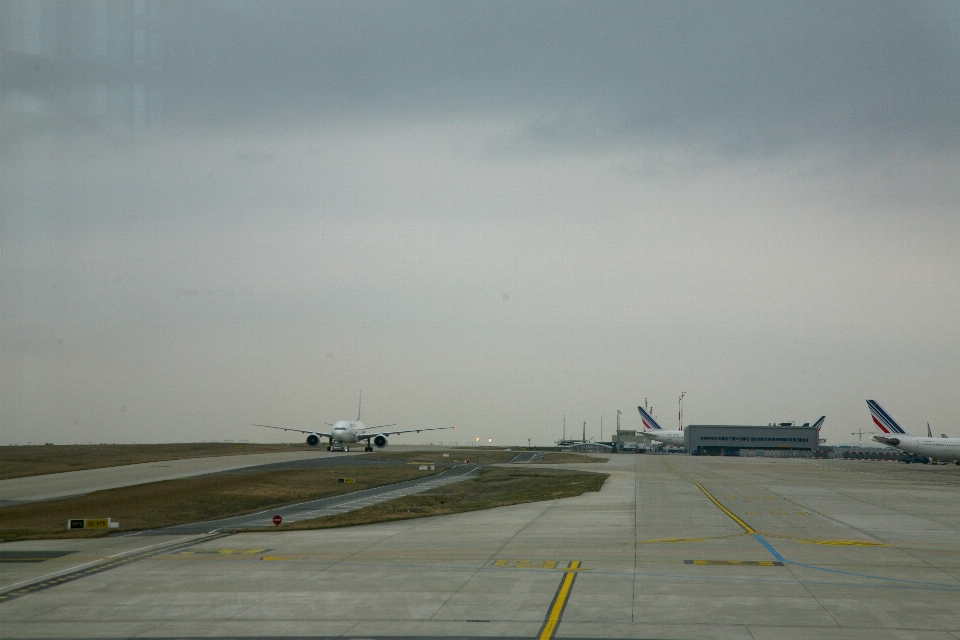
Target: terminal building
x,y
716,439
625,440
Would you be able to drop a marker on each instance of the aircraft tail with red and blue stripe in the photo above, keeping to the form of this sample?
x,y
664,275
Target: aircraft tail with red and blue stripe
x,y
648,422
884,422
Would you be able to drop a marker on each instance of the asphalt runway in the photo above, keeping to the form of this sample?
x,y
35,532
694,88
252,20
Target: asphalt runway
x,y
671,547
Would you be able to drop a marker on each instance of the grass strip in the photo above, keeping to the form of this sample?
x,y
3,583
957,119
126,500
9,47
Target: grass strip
x,y
494,487
19,462
171,502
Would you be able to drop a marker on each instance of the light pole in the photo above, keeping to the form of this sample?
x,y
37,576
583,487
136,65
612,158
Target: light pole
x,y
680,415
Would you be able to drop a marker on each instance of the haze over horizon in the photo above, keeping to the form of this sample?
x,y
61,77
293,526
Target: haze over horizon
x,y
483,214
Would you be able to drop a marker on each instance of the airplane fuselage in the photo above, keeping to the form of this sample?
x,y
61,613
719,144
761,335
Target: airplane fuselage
x,y
345,431
674,438
937,448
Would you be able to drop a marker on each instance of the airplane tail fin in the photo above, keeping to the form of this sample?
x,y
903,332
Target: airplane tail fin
x,y
884,422
819,423
649,424
929,432
359,404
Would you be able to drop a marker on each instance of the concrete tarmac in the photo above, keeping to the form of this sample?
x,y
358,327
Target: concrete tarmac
x,y
671,547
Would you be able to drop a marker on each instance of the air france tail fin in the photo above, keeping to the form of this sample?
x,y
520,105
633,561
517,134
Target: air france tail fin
x,y
819,423
649,423
883,420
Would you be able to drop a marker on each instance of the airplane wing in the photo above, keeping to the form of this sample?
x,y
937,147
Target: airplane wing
x,y
318,433
380,427
367,436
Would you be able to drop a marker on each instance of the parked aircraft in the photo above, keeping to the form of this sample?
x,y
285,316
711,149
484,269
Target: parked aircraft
x,y
346,432
942,448
653,430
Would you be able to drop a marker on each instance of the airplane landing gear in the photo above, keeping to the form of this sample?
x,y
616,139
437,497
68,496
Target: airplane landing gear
x,y
368,448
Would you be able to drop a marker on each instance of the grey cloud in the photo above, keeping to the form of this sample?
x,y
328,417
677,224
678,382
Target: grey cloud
x,y
756,76
745,76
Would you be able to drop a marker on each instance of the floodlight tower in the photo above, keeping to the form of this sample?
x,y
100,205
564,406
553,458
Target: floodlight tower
x,y
680,404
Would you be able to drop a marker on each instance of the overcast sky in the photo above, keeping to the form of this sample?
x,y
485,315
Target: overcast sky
x,y
485,214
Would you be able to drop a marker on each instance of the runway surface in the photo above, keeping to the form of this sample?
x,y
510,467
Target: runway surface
x,y
74,483
671,547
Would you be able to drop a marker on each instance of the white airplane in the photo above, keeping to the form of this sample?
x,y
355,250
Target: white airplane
x,y
652,429
346,432
942,448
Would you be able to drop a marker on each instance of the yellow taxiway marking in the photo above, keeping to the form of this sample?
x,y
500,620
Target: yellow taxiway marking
x,y
222,552
526,564
733,516
659,540
838,543
559,602
749,563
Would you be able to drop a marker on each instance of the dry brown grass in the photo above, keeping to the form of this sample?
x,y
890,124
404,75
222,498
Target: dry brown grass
x,y
17,462
495,487
171,502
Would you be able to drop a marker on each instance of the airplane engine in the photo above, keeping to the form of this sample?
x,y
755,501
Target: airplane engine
x,y
313,440
380,441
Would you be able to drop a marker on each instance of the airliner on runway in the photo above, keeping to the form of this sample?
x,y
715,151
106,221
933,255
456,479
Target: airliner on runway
x,y
896,436
653,430
346,432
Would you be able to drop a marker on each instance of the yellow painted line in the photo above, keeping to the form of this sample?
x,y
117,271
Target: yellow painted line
x,y
732,515
664,540
559,602
749,563
838,543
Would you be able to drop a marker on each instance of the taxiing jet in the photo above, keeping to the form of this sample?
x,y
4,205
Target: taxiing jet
x,y
346,432
653,430
896,436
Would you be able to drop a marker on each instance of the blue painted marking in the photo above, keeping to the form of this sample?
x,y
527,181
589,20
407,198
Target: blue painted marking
x,y
776,554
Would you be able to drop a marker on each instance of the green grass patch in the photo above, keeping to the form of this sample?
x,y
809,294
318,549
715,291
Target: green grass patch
x,y
494,487
171,502
18,462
